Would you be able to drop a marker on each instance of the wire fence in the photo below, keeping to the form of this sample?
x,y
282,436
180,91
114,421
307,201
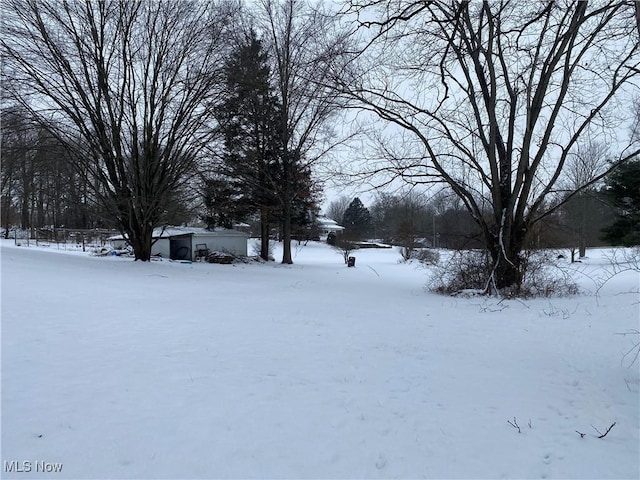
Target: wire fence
x,y
67,238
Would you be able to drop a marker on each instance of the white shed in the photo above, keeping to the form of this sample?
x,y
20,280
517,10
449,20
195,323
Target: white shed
x,y
183,243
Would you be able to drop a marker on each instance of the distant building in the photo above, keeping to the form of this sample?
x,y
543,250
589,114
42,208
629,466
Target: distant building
x,y
327,225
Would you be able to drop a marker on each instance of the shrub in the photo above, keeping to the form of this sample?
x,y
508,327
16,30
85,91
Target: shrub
x,y
542,277
470,272
465,272
406,253
344,247
426,256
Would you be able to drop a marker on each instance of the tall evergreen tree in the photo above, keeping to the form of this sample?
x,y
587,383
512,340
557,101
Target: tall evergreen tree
x,y
258,173
623,190
304,205
224,202
356,220
249,120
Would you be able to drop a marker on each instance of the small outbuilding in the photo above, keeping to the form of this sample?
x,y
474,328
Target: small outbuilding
x,y
187,243
326,226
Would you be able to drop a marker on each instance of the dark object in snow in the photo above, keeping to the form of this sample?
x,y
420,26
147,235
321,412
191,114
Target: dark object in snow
x,y
220,257
351,262
560,257
371,245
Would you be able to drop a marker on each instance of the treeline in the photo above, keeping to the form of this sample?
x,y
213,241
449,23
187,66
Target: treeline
x,y
607,214
40,187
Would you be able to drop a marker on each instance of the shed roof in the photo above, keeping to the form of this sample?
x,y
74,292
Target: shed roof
x,y
168,232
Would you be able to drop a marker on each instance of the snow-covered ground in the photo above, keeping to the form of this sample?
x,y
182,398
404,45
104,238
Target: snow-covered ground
x,y
117,369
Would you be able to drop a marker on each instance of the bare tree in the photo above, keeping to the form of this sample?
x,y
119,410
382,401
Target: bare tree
x,y
18,140
134,80
38,180
305,46
582,166
337,207
494,98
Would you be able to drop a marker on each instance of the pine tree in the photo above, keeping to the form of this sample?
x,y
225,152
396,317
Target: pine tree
x,y
249,121
304,205
623,190
356,220
224,202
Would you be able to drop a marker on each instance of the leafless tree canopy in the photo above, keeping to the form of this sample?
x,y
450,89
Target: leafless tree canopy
x,y
306,46
336,208
127,86
496,98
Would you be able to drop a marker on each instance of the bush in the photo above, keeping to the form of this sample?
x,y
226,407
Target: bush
x,y
343,245
465,272
426,256
470,272
542,277
406,253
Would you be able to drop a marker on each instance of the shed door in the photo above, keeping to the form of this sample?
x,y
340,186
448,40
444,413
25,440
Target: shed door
x,y
180,248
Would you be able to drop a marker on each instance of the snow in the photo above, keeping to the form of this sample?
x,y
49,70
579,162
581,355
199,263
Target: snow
x,y
119,369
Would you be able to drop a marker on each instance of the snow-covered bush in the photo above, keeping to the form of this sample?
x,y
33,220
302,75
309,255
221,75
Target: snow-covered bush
x,y
464,271
426,256
471,272
542,276
344,245
622,260
406,253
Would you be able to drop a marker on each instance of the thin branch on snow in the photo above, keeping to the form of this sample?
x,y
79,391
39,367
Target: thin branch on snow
x,y
514,424
602,435
635,348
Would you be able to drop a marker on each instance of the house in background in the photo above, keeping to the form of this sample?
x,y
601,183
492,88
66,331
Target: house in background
x,y
326,226
184,243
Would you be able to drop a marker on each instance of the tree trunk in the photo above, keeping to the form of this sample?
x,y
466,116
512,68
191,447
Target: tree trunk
x,y
141,241
5,213
264,234
24,209
286,234
507,276
582,247
505,249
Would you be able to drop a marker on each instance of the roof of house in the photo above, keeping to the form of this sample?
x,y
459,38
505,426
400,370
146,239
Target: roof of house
x,y
329,223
